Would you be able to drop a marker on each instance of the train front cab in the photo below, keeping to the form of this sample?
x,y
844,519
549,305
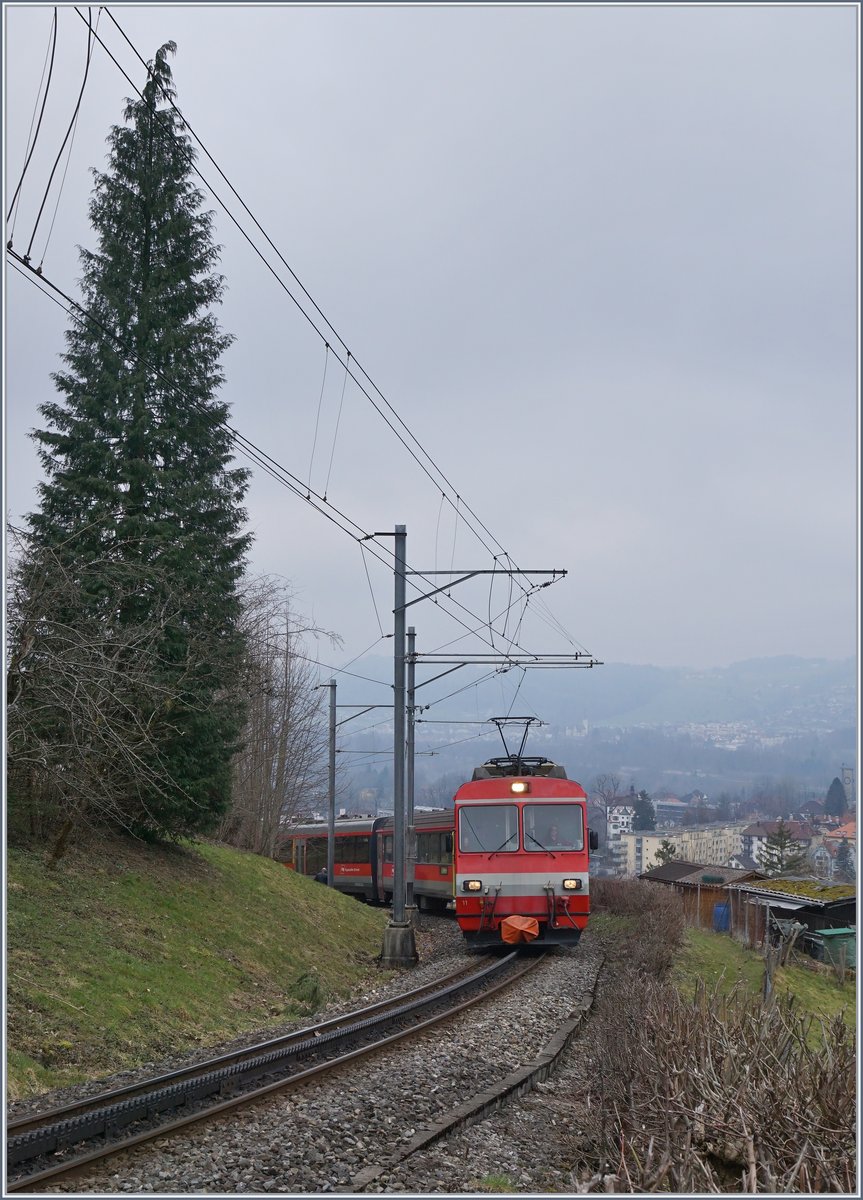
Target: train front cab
x,y
521,862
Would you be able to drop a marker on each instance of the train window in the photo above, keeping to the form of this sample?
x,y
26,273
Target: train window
x,y
352,849
488,828
431,847
553,827
316,855
388,848
447,844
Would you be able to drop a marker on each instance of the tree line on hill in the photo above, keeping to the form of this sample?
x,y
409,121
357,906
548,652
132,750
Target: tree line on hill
x,y
153,684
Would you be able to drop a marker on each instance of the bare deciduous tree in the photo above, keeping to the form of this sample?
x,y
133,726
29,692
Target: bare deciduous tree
x,y
88,700
281,769
605,788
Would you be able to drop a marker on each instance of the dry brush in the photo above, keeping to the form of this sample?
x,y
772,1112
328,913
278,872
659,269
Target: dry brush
x,y
720,1093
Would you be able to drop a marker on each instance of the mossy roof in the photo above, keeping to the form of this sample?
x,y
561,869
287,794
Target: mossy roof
x,y
805,889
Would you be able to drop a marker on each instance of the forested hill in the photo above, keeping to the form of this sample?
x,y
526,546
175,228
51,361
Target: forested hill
x,y
787,694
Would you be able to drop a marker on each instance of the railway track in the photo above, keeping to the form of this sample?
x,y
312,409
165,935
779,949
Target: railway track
x,y
66,1141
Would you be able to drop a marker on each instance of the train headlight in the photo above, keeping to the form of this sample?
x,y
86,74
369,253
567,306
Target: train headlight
x,y
572,885
519,787
472,885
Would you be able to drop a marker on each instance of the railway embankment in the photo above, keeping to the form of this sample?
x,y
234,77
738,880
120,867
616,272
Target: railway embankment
x,y
127,953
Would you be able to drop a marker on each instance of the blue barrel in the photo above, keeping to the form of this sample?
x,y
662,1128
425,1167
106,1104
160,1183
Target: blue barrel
x,y
721,917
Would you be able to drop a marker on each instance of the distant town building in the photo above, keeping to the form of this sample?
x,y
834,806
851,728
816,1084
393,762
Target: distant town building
x,y
669,810
829,847
849,782
712,844
621,814
754,837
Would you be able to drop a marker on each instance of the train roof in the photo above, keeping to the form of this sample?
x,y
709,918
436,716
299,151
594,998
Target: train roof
x,y
320,828
440,818
513,764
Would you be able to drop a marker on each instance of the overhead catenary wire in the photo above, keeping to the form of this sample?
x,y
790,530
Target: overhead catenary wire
x,y
255,453
349,358
264,460
318,416
71,126
459,501
336,431
363,653
293,482
372,590
341,670
65,172
41,115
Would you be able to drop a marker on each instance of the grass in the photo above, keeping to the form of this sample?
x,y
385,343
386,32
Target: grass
x,y
719,960
611,925
496,1183
126,952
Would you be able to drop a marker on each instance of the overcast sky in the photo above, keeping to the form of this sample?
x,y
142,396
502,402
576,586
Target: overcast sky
x,y
600,260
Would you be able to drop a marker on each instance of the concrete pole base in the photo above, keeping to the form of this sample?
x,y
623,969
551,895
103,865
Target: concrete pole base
x,y
399,948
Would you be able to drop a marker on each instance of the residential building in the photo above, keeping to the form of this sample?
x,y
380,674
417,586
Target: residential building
x,y
848,831
711,844
754,837
830,844
669,810
621,814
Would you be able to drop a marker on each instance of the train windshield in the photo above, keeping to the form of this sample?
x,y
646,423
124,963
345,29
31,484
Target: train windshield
x,y
553,827
487,828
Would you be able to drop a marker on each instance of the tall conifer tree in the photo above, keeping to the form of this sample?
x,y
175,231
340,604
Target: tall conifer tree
x,y
836,801
138,459
782,853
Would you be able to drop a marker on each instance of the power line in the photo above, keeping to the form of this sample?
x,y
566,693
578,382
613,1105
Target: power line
x,y
349,358
255,453
73,122
41,115
260,457
459,500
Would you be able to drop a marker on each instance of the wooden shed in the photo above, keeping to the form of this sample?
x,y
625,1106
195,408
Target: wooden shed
x,y
703,889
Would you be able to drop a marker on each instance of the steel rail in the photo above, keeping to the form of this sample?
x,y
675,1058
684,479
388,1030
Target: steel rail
x,y
35,1120
76,1166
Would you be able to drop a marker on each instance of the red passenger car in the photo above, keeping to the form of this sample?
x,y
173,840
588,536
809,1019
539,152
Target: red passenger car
x,y
521,854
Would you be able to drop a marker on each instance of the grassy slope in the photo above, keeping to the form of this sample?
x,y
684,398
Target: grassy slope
x,y
717,958
125,952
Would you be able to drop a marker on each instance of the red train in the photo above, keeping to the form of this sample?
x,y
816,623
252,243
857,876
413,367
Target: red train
x,y
522,854
516,872
363,856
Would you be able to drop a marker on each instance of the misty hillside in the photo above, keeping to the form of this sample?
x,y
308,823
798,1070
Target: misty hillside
x,y
784,694
787,693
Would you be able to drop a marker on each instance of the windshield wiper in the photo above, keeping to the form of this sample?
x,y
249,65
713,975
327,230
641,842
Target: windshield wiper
x,y
545,848
501,846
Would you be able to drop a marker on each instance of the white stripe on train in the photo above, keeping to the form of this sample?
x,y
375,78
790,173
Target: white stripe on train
x,y
522,884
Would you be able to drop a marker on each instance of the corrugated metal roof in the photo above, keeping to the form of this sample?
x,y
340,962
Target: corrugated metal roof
x,y
717,875
812,892
672,871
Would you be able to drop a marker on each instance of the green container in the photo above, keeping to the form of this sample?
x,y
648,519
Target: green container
x,y
834,939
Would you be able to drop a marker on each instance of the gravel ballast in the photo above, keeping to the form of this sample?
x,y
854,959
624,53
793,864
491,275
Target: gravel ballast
x,y
323,1136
